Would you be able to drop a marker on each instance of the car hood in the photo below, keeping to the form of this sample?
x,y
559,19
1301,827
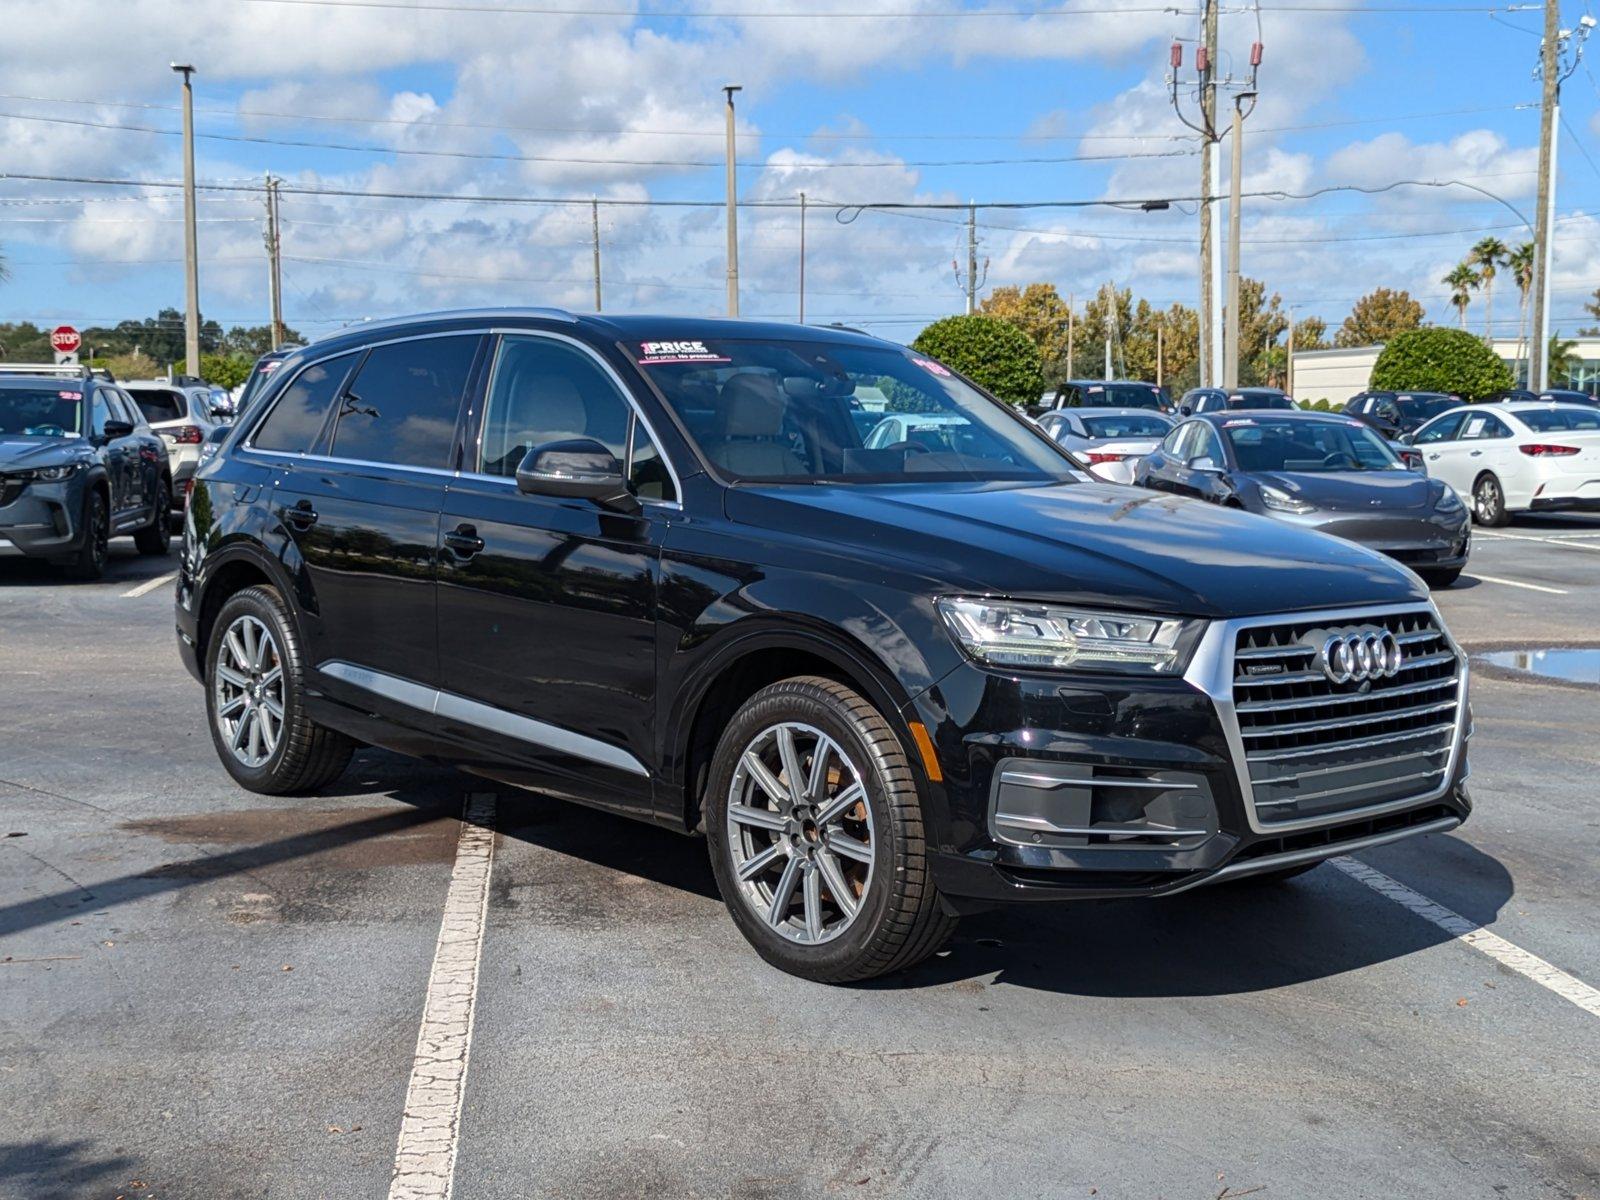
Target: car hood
x,y
1355,491
21,451
1091,544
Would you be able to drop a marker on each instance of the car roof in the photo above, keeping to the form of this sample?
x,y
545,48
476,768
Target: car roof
x,y
1279,414
1521,406
632,327
68,382
1085,414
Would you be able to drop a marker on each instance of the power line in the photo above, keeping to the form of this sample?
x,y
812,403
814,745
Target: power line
x,y
425,6
819,135
573,160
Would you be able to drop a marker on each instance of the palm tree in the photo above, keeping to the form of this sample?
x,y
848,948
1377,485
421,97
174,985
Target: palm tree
x,y
1486,256
1461,281
1520,261
1561,359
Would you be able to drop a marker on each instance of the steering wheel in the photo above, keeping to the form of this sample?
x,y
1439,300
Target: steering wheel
x,y
909,447
1337,459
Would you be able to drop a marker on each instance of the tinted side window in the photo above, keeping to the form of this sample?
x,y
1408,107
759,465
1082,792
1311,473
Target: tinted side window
x,y
100,413
1441,430
547,391
296,419
402,405
1480,426
1206,444
1171,443
647,468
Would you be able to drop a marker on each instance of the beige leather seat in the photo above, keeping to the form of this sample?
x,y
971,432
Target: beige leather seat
x,y
750,420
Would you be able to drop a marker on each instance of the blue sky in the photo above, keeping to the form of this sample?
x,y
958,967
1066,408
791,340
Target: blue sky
x,y
1352,96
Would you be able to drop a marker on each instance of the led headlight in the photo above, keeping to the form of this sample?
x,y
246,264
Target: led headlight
x,y
50,474
1010,633
1281,501
1449,502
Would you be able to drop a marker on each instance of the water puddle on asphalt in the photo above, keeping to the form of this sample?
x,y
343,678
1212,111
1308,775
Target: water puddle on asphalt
x,y
1571,666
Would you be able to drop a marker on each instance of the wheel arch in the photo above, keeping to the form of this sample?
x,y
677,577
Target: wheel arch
x,y
227,575
745,665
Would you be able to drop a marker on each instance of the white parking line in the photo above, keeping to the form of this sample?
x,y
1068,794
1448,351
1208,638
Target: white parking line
x,y
1564,541
149,585
425,1157
1512,957
1532,587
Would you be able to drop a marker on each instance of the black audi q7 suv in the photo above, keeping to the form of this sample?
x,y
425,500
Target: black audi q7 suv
x,y
648,564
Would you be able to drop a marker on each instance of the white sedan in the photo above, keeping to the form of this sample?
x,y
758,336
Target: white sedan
x,y
1108,441
1517,457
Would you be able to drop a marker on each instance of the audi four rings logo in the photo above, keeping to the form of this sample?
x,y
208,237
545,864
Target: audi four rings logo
x,y
1359,657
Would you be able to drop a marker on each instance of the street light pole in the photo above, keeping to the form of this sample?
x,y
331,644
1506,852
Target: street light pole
x,y
191,247
1230,351
802,258
733,209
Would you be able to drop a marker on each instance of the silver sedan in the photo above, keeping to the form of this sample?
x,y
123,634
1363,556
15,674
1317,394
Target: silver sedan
x,y
1108,441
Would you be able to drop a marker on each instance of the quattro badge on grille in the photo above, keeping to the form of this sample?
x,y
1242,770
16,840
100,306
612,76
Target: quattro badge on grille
x,y
1360,656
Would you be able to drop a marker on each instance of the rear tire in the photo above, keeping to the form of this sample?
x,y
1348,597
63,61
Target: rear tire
x,y
89,563
784,855
1489,502
255,689
156,538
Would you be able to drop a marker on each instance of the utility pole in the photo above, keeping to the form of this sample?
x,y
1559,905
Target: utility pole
x,y
1159,328
972,258
1230,345
1288,358
1554,67
733,209
1213,365
1071,320
594,227
191,245
274,241
802,258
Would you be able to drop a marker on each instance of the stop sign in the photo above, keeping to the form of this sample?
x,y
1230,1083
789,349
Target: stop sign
x,y
65,339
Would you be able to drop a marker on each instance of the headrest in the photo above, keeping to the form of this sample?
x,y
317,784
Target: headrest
x,y
751,406
554,402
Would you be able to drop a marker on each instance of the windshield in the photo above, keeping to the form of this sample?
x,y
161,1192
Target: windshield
x,y
1424,408
41,412
1265,444
1121,395
1557,420
159,404
1260,399
792,412
1134,426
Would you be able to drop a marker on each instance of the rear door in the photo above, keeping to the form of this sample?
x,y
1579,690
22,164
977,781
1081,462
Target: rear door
x,y
362,512
547,606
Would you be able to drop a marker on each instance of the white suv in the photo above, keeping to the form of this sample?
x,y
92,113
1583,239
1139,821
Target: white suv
x,y
182,415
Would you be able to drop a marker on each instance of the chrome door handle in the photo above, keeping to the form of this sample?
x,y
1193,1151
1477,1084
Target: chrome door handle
x,y
1475,454
302,515
463,541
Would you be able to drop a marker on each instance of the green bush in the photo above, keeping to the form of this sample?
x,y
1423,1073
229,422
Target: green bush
x,y
993,353
1440,360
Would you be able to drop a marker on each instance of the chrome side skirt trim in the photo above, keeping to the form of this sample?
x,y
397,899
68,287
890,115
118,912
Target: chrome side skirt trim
x,y
483,716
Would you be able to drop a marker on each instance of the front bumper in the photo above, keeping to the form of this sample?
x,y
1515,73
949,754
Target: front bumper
x,y
1426,541
43,519
1038,771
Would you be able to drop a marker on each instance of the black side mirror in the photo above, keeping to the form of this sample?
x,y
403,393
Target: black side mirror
x,y
1408,438
117,429
578,468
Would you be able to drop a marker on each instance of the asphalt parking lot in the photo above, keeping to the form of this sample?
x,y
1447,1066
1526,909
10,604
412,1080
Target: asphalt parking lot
x,y
207,993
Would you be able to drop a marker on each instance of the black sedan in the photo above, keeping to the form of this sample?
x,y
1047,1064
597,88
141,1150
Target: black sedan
x,y
1394,414
1329,473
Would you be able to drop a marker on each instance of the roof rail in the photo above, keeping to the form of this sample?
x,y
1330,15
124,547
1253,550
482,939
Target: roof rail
x,y
57,370
554,314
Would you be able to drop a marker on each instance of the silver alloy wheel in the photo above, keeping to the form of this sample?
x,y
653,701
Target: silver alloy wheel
x,y
800,832
1488,500
247,690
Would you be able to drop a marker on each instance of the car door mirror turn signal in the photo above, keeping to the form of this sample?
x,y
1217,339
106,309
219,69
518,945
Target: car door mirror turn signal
x,y
578,468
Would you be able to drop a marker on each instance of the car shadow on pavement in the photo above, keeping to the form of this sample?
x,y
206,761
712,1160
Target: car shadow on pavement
x,y
1231,938
125,566
61,1169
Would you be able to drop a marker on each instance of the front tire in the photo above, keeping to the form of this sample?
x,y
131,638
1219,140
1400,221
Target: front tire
x,y
255,689
1441,579
156,538
1489,502
815,829
89,563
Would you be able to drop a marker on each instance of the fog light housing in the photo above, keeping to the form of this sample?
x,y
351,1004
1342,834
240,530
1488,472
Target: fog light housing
x,y
1035,802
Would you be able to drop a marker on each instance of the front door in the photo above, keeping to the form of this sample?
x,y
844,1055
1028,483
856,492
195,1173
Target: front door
x,y
547,606
364,519
1444,455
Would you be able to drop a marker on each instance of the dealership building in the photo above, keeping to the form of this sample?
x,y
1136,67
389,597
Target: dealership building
x,y
1336,375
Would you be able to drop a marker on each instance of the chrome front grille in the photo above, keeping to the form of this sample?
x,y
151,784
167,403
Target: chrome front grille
x,y
1314,748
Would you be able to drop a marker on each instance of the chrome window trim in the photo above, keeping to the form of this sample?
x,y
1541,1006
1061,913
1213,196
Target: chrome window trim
x,y
1211,671
475,451
440,703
